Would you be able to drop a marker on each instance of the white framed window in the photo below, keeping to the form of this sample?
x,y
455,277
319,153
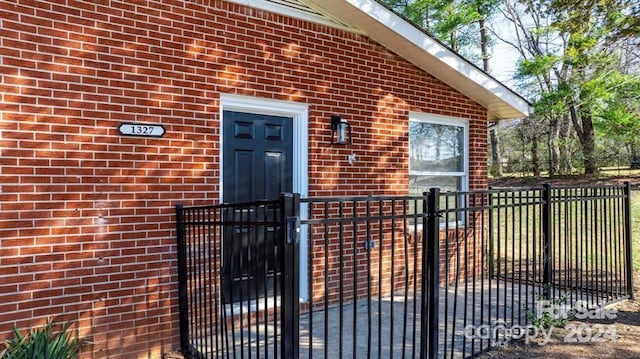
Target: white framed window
x,y
438,153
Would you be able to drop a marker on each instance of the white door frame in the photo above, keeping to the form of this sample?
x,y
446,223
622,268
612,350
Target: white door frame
x,y
300,114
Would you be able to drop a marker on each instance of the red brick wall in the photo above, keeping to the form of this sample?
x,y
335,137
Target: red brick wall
x,y
86,216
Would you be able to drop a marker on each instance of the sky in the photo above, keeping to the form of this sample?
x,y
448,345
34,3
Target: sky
x,y
502,63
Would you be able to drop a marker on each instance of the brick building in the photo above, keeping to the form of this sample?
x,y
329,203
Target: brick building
x,y
87,225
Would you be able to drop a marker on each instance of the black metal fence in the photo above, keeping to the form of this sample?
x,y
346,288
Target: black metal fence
x,y
233,290
441,275
372,277
519,251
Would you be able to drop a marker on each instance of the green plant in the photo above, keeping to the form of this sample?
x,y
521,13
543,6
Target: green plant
x,y
553,315
43,343
493,170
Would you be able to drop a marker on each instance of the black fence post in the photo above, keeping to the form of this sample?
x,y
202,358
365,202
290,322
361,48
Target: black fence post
x,y
290,277
430,275
490,234
628,228
182,280
547,231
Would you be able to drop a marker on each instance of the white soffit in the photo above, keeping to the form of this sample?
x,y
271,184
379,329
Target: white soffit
x,y
373,19
298,9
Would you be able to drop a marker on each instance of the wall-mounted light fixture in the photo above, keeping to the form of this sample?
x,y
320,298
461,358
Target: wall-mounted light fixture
x,y
340,131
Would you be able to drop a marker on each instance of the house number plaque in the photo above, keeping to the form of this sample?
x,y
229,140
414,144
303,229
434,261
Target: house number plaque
x,y
141,129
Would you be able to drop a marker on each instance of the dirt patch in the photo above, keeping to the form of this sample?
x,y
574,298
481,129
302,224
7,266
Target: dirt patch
x,y
590,338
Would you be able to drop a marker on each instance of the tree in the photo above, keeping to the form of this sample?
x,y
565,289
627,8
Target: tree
x,y
454,22
461,24
617,116
567,51
486,9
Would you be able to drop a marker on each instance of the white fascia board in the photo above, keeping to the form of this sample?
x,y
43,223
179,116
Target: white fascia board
x,y
370,18
398,35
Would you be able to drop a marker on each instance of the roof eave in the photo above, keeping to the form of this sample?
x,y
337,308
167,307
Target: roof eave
x,y
413,44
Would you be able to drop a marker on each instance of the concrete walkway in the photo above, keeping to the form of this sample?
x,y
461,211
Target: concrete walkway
x,y
390,327
387,327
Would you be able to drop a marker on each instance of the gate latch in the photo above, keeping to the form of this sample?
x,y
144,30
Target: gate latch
x,y
293,230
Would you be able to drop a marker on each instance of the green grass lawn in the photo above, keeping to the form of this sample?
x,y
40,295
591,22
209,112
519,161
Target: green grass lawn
x,y
617,171
516,227
608,172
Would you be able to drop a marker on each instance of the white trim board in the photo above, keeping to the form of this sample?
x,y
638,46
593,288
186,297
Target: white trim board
x,y
371,18
413,44
300,114
448,121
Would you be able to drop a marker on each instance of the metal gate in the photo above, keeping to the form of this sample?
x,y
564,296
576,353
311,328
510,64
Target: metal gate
x,y
215,322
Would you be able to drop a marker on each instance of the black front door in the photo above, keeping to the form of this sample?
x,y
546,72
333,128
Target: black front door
x,y
257,164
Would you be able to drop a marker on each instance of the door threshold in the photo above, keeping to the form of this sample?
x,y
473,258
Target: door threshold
x,y
252,305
